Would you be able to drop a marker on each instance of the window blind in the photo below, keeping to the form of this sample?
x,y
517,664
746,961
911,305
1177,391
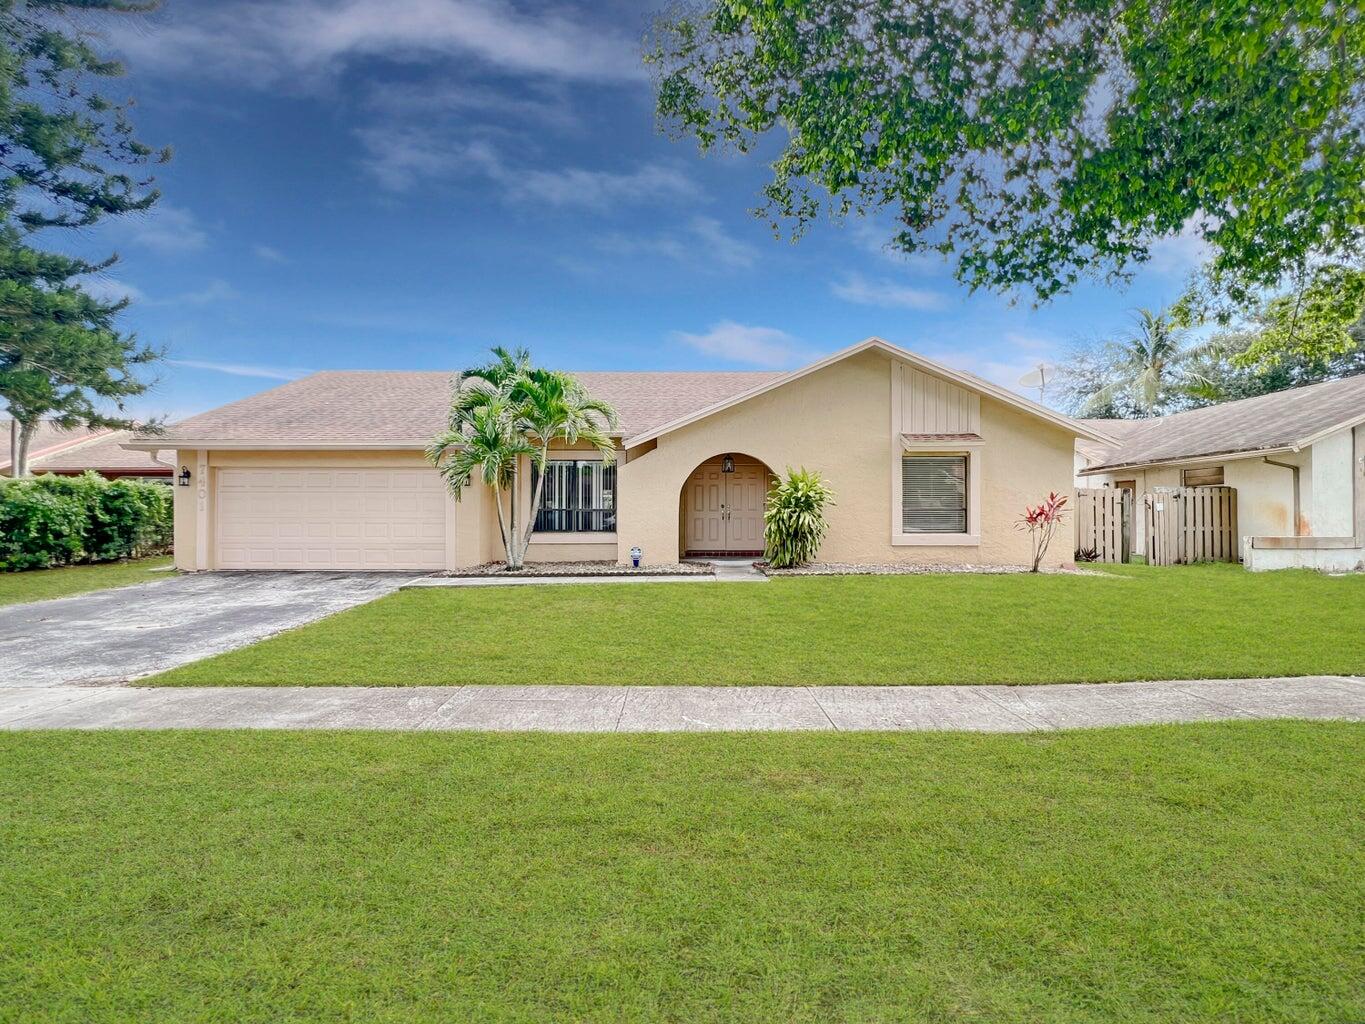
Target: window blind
x,y
934,493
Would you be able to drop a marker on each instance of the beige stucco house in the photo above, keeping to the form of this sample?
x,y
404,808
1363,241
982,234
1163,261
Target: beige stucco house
x,y
1296,458
929,464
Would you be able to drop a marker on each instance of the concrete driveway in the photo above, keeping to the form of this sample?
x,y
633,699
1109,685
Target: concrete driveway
x,y
115,635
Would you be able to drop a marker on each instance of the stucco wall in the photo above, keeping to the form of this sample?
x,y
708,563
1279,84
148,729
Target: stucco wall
x,y
1333,512
838,421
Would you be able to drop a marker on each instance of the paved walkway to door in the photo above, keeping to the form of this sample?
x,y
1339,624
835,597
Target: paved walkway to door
x,y
681,708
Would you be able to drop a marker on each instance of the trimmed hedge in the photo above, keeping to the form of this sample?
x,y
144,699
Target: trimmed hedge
x,y
57,520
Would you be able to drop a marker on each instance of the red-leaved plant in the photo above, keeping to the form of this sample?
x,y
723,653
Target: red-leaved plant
x,y
1041,522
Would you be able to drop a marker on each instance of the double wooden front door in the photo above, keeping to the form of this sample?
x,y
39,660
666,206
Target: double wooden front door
x,y
724,511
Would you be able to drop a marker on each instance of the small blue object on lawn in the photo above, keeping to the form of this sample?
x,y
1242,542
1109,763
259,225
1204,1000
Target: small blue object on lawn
x,y
635,554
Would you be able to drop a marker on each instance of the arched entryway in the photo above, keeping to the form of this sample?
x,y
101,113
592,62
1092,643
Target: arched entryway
x,y
720,510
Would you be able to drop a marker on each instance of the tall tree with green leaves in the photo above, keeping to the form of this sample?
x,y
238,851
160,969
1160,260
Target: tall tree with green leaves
x,y
69,156
61,356
1041,140
1142,372
505,412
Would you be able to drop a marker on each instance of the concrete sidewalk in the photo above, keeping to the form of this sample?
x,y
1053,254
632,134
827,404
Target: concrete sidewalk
x,y
681,708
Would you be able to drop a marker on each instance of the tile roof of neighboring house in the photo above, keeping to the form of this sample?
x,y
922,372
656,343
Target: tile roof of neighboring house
x,y
403,408
1283,420
54,449
104,454
47,438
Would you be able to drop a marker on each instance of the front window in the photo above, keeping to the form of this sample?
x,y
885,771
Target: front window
x,y
579,497
934,493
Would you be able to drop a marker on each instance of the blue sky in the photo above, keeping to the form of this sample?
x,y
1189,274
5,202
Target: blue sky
x,y
402,184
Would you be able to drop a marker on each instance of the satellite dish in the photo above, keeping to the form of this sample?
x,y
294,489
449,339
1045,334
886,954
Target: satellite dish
x,y
1039,377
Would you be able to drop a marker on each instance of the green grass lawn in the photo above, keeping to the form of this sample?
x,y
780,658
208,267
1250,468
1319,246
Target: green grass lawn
x,y
1138,622
41,584
1160,874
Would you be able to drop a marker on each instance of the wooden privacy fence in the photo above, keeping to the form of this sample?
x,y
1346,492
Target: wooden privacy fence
x,y
1104,522
1191,524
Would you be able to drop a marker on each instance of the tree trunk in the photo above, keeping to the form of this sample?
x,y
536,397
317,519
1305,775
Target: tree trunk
x,y
13,447
535,502
20,465
514,544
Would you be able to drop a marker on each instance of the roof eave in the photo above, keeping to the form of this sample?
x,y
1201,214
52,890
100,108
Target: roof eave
x,y
1185,460
228,444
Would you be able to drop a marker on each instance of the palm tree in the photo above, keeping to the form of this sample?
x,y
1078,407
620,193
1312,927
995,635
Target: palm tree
x,y
1144,368
554,406
508,410
481,385
484,442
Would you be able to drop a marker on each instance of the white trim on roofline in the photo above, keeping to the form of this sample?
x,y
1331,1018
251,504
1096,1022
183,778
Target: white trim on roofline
x,y
966,380
1190,460
1348,424
1247,453
226,445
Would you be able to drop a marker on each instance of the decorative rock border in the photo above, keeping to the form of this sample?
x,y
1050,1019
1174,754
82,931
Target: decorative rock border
x,y
499,569
928,569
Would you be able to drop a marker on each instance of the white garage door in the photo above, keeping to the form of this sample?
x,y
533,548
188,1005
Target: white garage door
x,y
330,519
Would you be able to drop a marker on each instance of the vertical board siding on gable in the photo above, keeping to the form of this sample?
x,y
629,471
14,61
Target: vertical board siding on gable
x,y
931,405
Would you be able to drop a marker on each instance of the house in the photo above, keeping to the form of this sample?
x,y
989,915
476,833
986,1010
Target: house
x,y
1296,458
929,464
70,452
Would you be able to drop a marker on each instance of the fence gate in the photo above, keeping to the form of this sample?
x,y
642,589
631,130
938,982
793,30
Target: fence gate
x,y
1104,522
1191,524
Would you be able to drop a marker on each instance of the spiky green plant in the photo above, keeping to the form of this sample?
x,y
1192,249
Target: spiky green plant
x,y
794,518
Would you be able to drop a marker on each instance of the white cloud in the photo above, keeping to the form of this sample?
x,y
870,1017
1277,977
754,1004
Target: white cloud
x,y
738,343
721,246
400,157
269,254
591,189
108,289
243,369
1178,254
875,237
856,288
269,42
453,98
216,290
166,229
1031,342
704,243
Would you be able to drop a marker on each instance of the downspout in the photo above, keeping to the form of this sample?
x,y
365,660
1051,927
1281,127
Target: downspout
x,y
1295,470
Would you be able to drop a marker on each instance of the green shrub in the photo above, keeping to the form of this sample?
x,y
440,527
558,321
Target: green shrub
x,y
794,520
54,520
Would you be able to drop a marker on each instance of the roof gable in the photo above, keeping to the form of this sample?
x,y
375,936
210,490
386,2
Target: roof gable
x,y
968,381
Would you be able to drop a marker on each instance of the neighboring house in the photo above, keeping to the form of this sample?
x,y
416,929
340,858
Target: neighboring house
x,y
929,464
54,449
1296,457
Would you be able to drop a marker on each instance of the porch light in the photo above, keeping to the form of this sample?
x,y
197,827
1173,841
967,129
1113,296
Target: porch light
x,y
184,476
727,464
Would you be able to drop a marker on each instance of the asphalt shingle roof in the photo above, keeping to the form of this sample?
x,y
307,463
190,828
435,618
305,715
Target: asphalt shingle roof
x,y
1280,420
404,408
